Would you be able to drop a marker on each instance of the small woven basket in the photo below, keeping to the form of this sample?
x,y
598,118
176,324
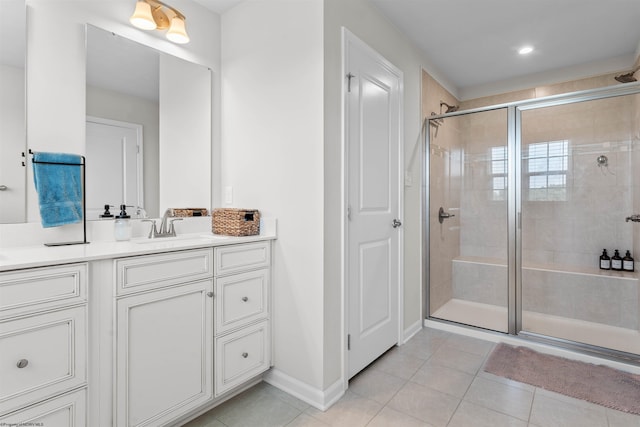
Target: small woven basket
x,y
236,222
187,212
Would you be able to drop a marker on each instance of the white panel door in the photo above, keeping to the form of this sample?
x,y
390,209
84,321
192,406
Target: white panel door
x,y
114,166
373,143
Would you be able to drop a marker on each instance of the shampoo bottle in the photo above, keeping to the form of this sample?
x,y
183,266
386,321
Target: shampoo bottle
x,y
122,226
616,261
627,262
605,261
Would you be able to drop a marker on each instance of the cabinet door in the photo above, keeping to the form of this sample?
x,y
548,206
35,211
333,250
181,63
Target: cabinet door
x,y
64,411
164,354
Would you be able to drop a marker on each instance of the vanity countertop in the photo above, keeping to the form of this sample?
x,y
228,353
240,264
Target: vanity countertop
x,y
39,256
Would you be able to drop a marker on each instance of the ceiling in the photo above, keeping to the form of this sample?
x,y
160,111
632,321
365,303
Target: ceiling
x,y
472,45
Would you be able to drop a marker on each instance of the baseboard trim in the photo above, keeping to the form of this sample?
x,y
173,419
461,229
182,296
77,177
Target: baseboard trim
x,y
320,399
411,331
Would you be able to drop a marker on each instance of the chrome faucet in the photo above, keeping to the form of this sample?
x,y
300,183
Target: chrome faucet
x,y
163,224
164,230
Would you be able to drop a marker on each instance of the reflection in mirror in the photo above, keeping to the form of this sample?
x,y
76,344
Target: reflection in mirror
x,y
122,123
148,128
12,111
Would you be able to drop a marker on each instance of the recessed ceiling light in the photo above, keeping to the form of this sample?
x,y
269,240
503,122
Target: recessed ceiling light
x,y
525,50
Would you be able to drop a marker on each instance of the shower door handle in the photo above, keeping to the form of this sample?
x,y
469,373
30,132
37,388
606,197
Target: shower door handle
x,y
633,218
442,215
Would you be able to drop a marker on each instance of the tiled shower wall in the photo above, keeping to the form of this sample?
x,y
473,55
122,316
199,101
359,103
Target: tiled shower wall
x,y
483,202
444,190
567,232
570,230
572,226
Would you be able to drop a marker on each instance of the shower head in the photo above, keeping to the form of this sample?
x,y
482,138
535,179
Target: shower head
x,y
628,77
450,108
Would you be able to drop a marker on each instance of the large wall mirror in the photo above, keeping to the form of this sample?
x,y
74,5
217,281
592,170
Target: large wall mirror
x,y
148,134
12,111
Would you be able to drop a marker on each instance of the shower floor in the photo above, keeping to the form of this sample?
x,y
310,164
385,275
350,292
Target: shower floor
x,y
495,318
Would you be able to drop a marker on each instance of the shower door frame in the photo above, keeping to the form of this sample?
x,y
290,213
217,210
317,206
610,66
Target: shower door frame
x,y
514,207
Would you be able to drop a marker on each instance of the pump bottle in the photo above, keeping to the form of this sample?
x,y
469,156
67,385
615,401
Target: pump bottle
x,y
605,261
122,226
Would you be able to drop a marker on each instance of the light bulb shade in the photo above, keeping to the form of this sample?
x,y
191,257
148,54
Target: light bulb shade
x,y
142,17
177,32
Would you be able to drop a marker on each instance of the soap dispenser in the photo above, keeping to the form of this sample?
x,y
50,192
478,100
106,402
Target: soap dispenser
x,y
106,213
122,226
627,262
616,261
605,261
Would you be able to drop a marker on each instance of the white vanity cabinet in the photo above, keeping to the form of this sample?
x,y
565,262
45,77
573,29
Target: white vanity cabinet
x,y
242,343
43,345
164,336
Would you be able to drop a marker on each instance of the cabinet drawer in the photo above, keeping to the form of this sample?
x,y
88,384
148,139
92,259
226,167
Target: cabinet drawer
x,y
41,355
155,271
241,299
42,288
65,411
235,258
241,355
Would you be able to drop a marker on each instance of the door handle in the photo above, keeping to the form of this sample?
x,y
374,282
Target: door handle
x,y
396,223
3,188
442,215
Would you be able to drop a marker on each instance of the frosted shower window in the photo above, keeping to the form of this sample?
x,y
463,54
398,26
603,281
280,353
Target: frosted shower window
x,y
547,164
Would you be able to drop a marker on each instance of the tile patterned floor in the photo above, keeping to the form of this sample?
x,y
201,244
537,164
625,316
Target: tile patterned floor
x,y
434,380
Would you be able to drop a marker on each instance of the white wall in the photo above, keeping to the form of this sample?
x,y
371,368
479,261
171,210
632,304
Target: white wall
x,y
272,157
56,65
282,153
185,135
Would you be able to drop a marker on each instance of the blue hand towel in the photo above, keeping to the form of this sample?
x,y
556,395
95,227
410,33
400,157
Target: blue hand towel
x,y
59,188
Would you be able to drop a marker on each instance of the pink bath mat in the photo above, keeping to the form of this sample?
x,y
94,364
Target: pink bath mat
x,y
594,383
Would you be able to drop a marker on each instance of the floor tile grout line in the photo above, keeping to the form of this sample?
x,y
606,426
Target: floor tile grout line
x,y
535,392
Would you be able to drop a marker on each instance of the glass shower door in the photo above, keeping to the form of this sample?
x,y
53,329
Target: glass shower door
x,y
580,180
468,221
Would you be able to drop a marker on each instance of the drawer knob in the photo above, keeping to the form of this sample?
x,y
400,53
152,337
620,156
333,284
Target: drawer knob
x,y
245,299
245,355
22,363
210,294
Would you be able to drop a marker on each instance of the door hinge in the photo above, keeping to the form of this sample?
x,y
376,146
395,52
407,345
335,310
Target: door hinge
x,y
348,341
349,77
349,213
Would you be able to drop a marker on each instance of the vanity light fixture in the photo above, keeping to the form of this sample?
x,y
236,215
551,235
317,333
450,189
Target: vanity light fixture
x,y
155,15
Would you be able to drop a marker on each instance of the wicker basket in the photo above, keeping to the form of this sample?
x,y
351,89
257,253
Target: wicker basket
x,y
187,212
236,222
